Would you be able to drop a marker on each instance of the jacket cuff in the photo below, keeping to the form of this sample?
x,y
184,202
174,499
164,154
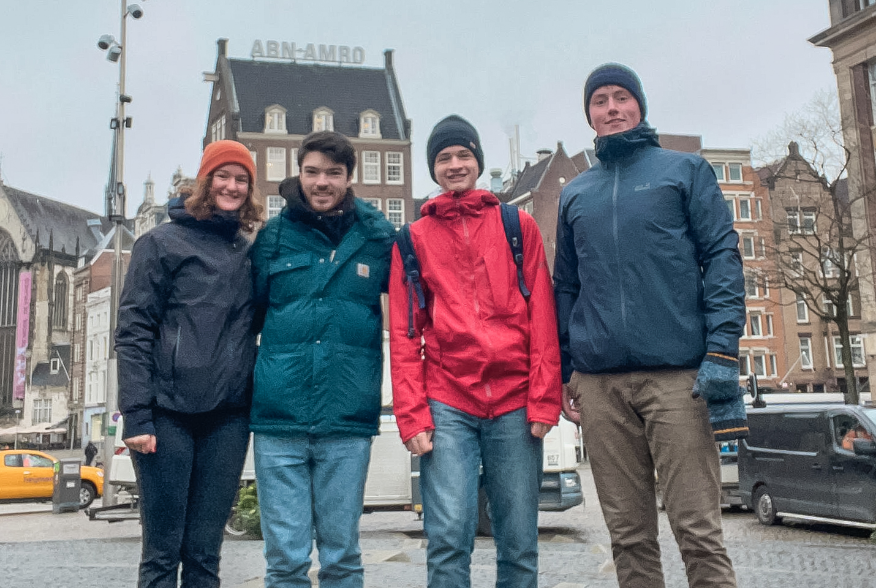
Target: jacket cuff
x,y
138,423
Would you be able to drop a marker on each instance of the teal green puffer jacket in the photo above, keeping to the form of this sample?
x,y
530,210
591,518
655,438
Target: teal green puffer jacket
x,y
319,364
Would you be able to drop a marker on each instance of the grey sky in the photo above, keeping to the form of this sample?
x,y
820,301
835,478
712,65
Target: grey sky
x,y
728,71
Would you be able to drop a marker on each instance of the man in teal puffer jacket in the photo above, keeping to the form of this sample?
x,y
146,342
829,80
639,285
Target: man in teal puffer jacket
x,y
319,268
650,303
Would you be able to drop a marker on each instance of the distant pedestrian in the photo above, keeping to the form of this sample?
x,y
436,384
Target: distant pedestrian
x,y
186,350
90,452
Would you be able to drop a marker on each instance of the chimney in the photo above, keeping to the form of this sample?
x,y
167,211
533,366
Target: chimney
x,y
793,149
387,59
543,153
223,47
495,180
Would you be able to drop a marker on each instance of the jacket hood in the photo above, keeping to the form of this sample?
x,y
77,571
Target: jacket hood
x,y
455,204
612,148
225,224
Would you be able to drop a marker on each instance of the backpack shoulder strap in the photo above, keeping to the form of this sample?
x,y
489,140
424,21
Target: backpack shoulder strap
x,y
412,274
514,235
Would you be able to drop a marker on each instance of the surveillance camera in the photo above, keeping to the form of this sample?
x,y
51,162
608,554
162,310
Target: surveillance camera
x,y
105,41
135,10
124,98
113,54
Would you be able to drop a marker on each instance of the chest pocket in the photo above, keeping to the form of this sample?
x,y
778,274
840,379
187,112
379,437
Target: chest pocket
x,y
290,277
364,275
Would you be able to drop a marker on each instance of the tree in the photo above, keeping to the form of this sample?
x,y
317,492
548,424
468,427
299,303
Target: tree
x,y
815,252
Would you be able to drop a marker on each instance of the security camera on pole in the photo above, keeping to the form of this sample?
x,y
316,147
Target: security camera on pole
x,y
115,210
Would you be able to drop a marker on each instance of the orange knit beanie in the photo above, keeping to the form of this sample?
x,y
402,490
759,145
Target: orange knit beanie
x,y
223,152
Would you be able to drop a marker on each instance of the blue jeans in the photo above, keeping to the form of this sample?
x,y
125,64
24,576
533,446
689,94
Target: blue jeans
x,y
187,488
307,483
449,478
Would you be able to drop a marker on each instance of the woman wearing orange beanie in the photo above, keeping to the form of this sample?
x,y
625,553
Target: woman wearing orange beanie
x,y
186,349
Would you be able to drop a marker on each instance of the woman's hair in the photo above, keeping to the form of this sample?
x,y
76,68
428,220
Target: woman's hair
x,y
201,204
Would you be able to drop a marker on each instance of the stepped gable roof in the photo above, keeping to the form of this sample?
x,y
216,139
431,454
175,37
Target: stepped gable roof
x,y
302,88
66,224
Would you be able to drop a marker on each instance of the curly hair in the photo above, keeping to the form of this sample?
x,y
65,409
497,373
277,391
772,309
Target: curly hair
x,y
201,204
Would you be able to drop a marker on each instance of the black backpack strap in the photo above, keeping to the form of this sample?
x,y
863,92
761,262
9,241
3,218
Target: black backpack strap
x,y
514,235
412,274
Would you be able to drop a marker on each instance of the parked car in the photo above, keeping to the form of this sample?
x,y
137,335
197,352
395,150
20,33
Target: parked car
x,y
26,474
810,462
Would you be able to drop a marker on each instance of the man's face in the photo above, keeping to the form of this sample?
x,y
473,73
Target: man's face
x,y
613,110
323,181
456,169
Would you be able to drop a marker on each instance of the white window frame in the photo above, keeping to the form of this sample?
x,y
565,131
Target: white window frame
x,y
42,411
748,247
274,204
719,167
275,120
744,363
752,288
856,343
828,268
54,365
375,202
395,171
395,211
294,170
730,167
801,306
808,227
255,158
755,324
769,325
323,119
774,370
760,364
731,206
827,306
369,125
275,164
793,222
745,211
371,167
805,344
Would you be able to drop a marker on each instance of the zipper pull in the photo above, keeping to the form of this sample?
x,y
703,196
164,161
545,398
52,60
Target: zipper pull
x,y
332,256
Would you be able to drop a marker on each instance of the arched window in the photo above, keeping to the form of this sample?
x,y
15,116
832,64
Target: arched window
x,y
369,124
275,119
59,313
323,119
9,267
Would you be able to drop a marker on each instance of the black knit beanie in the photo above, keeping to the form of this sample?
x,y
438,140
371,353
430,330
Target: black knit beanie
x,y
453,130
614,74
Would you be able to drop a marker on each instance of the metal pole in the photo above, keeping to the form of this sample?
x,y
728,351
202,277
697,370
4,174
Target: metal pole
x,y
112,380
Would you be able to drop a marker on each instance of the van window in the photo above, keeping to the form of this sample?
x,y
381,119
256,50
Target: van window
x,y
847,428
790,432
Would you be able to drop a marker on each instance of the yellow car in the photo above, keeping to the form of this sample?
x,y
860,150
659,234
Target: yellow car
x,y
26,474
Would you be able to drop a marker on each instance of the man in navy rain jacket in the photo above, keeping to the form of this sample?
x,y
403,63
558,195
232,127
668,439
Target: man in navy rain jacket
x,y
650,301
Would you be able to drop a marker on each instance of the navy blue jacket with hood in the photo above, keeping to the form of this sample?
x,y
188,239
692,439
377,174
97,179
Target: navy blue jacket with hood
x,y
185,339
648,273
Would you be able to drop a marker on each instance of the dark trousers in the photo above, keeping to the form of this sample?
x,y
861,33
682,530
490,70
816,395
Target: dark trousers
x,y
187,489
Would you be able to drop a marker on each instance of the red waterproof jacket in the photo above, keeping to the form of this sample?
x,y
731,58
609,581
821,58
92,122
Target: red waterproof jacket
x,y
485,351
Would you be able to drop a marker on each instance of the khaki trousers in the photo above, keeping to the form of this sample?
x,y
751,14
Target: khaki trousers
x,y
633,423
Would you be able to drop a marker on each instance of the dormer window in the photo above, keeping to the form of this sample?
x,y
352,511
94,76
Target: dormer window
x,y
323,120
275,119
369,124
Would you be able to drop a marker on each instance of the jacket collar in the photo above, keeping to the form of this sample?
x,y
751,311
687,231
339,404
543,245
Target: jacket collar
x,y
456,204
612,148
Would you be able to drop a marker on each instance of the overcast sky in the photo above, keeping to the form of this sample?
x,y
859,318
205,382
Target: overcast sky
x,y
728,71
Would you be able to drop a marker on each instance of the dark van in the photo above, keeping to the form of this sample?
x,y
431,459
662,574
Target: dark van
x,y
811,462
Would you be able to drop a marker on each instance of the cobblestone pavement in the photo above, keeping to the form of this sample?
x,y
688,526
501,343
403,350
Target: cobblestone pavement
x,y
45,550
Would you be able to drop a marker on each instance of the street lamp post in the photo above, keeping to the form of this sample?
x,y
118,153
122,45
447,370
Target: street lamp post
x,y
115,210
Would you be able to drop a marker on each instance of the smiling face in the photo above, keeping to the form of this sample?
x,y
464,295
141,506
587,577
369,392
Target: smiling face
x,y
229,187
613,110
323,181
456,169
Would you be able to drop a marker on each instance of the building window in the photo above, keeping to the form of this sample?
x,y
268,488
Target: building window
x,y
793,222
806,353
760,365
758,212
828,306
735,172
54,365
59,313
323,120
755,324
748,247
369,124
796,265
394,170
828,268
769,325
744,363
76,390
275,205
762,247
371,167
719,171
42,411
275,120
808,222
294,170
77,353
731,205
275,170
802,310
528,207
744,209
395,211
375,202
774,371
857,345
217,129
751,289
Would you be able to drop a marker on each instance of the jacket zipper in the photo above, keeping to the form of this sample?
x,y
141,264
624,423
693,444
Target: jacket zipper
x,y
620,279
